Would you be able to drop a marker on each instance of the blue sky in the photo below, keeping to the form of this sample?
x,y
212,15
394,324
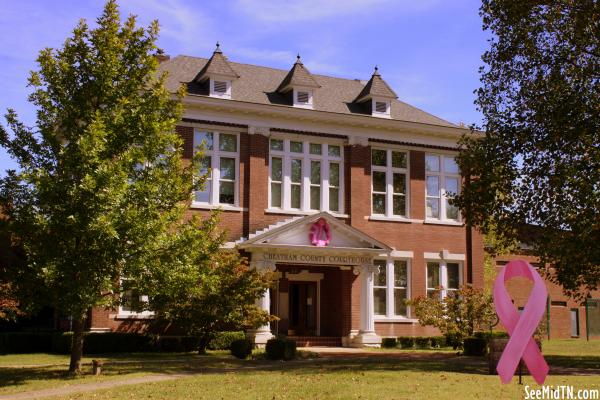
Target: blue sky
x,y
429,51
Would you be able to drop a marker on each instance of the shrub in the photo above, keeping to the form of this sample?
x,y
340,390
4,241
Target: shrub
x,y
422,342
241,348
223,340
437,342
474,346
26,342
280,349
453,341
116,342
189,343
61,342
406,342
492,335
170,344
389,342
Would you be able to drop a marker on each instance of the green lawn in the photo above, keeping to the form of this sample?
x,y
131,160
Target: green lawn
x,y
380,377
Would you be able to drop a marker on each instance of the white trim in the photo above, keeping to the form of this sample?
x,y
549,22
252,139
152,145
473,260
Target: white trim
x,y
442,196
389,193
395,219
325,159
443,273
444,255
390,288
203,107
400,254
439,222
224,207
396,320
308,104
386,113
296,212
214,179
214,93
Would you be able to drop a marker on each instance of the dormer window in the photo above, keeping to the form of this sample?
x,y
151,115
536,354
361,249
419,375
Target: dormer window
x,y
220,88
377,92
381,108
303,98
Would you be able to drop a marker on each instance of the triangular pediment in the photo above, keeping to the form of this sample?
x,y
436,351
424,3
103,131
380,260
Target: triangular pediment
x,y
296,234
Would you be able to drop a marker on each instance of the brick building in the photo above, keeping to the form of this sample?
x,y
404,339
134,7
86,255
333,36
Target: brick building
x,y
334,184
565,317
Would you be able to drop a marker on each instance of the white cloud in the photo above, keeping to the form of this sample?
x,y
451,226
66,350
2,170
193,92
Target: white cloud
x,y
310,10
277,56
187,27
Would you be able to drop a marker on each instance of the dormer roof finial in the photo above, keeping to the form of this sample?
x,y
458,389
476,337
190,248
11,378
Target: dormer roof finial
x,y
218,49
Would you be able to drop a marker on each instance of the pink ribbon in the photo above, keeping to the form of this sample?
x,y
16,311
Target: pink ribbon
x,y
521,326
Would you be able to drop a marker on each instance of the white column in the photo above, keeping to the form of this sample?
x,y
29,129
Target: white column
x,y
366,336
262,334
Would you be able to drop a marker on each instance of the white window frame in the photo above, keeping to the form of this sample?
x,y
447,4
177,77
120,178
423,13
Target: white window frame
x,y
390,289
214,176
214,93
130,314
443,271
286,155
297,103
442,175
389,183
375,113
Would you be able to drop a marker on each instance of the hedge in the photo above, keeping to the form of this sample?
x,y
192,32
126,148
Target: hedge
x,y
389,342
241,348
406,342
474,346
223,340
280,349
93,343
422,342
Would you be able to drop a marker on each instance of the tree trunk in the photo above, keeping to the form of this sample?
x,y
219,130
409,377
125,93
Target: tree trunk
x,y
203,344
77,346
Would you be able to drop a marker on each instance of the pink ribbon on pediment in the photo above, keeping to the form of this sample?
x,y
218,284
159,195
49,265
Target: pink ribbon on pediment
x,y
320,233
521,327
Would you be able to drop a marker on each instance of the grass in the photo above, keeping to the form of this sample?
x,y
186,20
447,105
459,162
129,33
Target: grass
x,y
445,376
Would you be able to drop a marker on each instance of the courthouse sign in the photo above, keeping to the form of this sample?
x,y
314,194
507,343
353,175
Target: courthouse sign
x,y
315,259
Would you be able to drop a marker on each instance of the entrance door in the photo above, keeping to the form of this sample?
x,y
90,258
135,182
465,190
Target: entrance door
x,y
303,308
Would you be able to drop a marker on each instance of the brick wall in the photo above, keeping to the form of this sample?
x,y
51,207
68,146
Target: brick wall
x,y
415,237
560,313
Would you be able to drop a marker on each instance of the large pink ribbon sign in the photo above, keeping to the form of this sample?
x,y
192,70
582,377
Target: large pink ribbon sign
x,y
521,326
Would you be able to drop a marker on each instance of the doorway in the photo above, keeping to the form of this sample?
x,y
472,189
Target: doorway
x,y
303,309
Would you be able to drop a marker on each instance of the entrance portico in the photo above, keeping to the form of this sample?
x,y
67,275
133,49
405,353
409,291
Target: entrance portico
x,y
324,284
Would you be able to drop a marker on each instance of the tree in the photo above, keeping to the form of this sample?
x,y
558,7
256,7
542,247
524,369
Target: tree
x,y
456,315
536,166
207,295
102,188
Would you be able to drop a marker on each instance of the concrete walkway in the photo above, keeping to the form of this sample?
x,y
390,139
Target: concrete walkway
x,y
90,387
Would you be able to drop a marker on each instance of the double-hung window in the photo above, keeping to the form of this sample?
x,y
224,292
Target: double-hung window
x,y
305,175
133,303
221,162
443,278
390,288
443,182
389,173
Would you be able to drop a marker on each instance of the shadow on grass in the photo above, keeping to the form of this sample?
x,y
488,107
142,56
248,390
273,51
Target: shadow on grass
x,y
218,364
580,362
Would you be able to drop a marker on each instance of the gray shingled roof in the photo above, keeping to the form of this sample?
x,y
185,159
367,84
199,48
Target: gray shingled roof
x,y
376,87
258,84
217,64
299,75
